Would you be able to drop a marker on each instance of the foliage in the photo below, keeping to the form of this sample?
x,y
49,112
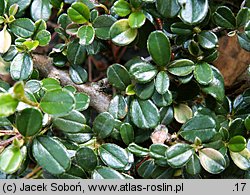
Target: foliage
x,y
169,116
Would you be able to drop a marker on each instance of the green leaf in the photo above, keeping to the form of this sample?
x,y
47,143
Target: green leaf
x,y
193,167
78,74
2,6
86,158
162,82
182,113
162,100
237,127
86,34
127,133
79,13
76,53
212,160
51,155
247,123
74,122
29,121
216,87
168,9
10,54
106,173
40,10
11,159
82,101
137,19
207,39
5,40
58,102
43,37
21,67
181,28
179,154
158,151
146,169
137,150
166,115
102,24
122,8
144,91
121,34
203,127
237,143
114,156
22,27
118,76
241,159
224,17
75,172
203,73
22,5
244,41
118,107
144,114
242,17
159,48
143,72
192,11
13,9
30,44
247,30
8,104
182,67
49,84
103,125
194,48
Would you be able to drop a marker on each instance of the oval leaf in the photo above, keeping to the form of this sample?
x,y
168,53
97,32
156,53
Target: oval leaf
x,y
224,17
106,173
40,9
168,9
182,67
127,133
102,25
193,167
79,13
86,35
162,82
5,40
241,159
182,113
207,39
203,73
118,107
86,158
237,143
8,104
22,27
136,19
78,74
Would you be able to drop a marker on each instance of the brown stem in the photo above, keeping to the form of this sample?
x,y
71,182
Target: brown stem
x,y
9,141
98,100
31,174
7,132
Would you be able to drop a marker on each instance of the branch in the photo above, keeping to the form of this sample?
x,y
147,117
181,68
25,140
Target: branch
x,y
98,100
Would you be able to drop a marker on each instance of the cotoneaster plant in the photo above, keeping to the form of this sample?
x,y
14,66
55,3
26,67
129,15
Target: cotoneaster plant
x,y
122,90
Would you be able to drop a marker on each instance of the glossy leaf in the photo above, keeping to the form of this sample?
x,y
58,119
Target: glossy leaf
x,y
8,104
146,169
118,76
40,10
76,53
168,9
21,67
118,107
237,143
102,25
75,172
179,154
143,72
216,87
43,37
122,8
207,39
136,19
162,82
79,13
82,101
29,121
22,5
193,167
244,41
247,123
182,113
158,151
103,125
137,150
5,40
144,91
182,67
159,48
50,154
114,156
78,74
86,158
49,84
127,133
241,159
121,33
74,122
86,35
181,28
192,11
247,29
242,17
22,27
224,17
106,173
203,73
202,127
162,100
11,159
212,160
58,102
166,115
144,114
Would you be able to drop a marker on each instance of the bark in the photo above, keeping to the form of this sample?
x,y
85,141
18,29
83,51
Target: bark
x,y
98,100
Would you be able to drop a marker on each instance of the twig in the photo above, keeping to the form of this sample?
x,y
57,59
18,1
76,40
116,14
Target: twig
x,y
8,141
90,69
7,132
34,171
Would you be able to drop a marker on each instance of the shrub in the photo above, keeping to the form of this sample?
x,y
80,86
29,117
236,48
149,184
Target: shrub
x,y
128,90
